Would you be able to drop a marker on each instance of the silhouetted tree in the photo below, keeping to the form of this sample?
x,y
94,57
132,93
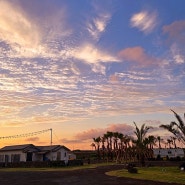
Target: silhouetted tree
x,y
97,142
139,142
176,128
159,139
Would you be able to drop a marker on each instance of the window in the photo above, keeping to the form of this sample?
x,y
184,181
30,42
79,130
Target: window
x,y
58,156
6,158
169,152
1,158
15,158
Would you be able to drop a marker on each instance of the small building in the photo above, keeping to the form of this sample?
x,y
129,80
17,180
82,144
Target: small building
x,y
18,153
52,153
29,152
168,152
85,154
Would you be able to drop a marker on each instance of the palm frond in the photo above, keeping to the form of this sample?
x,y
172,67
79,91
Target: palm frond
x,y
181,123
170,128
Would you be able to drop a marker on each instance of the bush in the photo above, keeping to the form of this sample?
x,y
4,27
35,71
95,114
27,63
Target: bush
x,y
178,158
57,163
159,158
131,168
75,162
41,164
182,166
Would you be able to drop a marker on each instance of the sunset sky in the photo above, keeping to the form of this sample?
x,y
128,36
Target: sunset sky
x,y
85,67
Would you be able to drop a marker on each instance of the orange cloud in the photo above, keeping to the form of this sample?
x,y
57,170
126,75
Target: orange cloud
x,y
137,54
89,134
11,123
113,79
32,139
175,30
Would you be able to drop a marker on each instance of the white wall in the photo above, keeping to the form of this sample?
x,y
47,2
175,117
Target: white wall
x,y
9,153
170,152
52,156
64,155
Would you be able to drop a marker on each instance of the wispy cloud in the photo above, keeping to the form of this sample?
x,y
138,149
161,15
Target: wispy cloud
x,y
16,28
178,54
97,22
30,37
176,40
90,54
97,26
145,21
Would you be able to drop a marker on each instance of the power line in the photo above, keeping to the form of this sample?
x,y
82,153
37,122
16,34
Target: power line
x,y
27,134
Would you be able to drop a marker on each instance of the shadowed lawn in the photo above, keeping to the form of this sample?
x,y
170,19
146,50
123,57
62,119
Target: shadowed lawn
x,y
66,168
161,174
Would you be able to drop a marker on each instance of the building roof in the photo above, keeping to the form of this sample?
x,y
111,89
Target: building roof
x,y
52,148
25,148
32,148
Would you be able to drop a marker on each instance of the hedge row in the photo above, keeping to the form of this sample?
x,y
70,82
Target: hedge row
x,y
38,164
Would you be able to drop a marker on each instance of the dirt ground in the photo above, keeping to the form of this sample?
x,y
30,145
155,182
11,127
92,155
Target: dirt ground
x,y
95,176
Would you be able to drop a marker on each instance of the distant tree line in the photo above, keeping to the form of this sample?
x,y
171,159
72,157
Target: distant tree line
x,y
123,148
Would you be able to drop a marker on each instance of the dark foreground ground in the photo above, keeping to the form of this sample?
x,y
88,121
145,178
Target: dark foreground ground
x,y
77,177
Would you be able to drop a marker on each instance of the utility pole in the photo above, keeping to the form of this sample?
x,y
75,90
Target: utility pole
x,y
51,136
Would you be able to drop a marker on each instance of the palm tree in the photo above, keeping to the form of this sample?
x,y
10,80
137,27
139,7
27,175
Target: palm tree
x,y
141,133
97,141
103,139
159,141
120,137
115,144
150,141
120,147
115,152
174,141
140,145
106,137
110,136
93,146
169,141
176,128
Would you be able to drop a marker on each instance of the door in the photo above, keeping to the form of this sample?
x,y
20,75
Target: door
x,y
58,156
6,159
29,156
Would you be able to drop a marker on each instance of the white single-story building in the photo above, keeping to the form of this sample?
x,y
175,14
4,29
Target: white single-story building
x,y
168,152
29,152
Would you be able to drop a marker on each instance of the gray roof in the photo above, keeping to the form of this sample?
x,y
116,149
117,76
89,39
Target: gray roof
x,y
52,148
25,148
32,148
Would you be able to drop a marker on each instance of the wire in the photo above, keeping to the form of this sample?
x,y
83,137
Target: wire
x,y
56,137
26,134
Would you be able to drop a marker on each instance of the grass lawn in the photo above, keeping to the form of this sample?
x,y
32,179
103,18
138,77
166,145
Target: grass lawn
x,y
66,168
162,174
